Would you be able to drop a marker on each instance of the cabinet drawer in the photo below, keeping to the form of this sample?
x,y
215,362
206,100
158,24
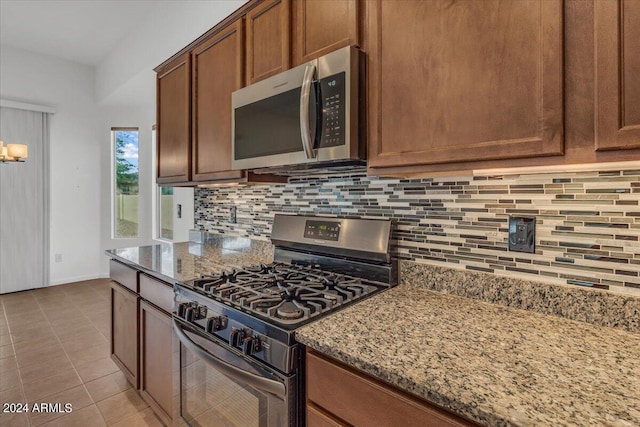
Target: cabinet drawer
x,y
126,276
318,418
363,401
156,292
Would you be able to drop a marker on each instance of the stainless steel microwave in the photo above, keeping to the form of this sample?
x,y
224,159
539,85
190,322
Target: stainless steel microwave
x,y
306,117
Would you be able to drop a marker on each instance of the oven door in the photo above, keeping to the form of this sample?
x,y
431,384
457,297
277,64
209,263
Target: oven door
x,y
220,387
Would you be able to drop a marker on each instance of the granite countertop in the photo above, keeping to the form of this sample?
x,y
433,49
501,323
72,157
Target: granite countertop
x,y
180,262
492,364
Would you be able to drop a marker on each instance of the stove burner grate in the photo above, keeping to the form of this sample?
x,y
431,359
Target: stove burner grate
x,y
287,294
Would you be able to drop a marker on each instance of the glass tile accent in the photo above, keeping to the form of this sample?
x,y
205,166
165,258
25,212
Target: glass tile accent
x,y
588,223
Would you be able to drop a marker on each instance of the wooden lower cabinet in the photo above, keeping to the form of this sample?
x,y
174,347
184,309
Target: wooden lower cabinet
x,y
124,331
338,395
156,360
142,336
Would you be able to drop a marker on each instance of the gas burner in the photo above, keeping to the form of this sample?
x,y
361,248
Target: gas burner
x,y
288,310
283,293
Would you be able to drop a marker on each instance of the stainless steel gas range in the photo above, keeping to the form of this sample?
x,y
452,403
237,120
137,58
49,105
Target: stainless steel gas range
x,y
240,364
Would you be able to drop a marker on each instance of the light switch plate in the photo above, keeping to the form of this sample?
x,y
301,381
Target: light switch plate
x,y
522,234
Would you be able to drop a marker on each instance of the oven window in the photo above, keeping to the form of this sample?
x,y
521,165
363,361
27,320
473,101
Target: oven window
x,y
210,398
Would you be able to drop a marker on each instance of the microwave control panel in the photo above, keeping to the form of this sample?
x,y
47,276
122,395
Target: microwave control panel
x,y
333,92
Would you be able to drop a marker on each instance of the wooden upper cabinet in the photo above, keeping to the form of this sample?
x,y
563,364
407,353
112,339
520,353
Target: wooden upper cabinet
x,y
217,71
268,40
174,126
322,26
617,47
462,81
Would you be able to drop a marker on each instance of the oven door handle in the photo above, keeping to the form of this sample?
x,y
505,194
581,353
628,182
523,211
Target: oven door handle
x,y
305,92
264,384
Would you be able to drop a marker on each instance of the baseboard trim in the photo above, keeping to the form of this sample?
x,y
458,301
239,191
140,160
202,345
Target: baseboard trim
x,y
74,279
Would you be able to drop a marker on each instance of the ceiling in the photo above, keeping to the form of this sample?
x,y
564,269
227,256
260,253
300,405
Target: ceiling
x,y
81,31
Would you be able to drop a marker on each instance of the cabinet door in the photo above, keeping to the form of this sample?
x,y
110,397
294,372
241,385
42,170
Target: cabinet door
x,y
322,26
124,331
617,42
268,40
318,418
217,72
156,360
342,393
465,80
173,121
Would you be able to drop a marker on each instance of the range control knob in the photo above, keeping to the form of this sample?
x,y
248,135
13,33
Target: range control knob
x,y
190,314
182,309
216,323
251,345
236,337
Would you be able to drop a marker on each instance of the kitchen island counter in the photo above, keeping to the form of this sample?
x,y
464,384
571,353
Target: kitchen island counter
x,y
179,262
492,364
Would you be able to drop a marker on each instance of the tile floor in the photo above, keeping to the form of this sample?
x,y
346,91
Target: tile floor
x,y
54,348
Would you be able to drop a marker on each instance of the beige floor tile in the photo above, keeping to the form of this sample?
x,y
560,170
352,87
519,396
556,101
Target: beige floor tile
x,y
12,395
108,386
29,327
9,379
14,420
122,405
68,332
78,342
77,397
102,325
54,384
40,355
96,369
23,318
85,417
8,364
56,314
144,418
89,354
39,371
27,346
105,331
31,335
37,366
60,322
5,340
19,306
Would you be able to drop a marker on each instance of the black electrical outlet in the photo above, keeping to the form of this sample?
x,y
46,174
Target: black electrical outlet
x,y
522,234
232,214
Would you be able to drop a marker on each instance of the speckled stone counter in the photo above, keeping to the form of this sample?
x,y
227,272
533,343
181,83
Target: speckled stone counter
x,y
179,262
493,364
572,302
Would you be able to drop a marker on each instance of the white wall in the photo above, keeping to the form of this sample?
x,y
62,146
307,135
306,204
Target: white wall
x,y
89,101
126,74
75,154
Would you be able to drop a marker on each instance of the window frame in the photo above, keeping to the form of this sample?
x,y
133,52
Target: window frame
x,y
114,185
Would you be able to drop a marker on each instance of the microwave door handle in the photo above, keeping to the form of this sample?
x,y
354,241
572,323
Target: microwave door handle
x,y
264,384
305,132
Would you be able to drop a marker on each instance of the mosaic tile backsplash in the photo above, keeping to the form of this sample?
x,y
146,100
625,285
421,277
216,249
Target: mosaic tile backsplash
x,y
587,223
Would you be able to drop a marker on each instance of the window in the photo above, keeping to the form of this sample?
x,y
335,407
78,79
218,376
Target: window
x,y
125,148
165,212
